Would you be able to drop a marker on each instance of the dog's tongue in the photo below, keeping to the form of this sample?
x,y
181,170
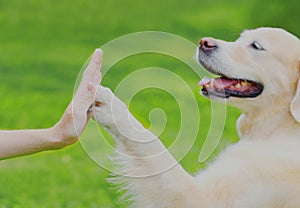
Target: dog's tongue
x,y
219,83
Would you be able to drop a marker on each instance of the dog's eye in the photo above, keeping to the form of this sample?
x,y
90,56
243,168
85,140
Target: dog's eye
x,y
257,46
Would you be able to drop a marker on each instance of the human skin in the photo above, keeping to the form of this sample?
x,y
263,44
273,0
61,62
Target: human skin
x,y
67,130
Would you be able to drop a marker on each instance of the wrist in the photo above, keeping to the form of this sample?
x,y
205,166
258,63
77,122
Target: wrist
x,y
59,138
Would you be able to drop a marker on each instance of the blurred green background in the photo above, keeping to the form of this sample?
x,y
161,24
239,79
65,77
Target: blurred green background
x,y
43,45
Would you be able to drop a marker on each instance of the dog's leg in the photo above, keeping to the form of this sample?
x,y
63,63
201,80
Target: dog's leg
x,y
152,177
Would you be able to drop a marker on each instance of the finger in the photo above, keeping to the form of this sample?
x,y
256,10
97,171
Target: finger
x,y
92,72
86,92
83,99
97,57
91,76
90,112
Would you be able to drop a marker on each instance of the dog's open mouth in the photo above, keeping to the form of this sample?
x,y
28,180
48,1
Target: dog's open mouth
x,y
225,87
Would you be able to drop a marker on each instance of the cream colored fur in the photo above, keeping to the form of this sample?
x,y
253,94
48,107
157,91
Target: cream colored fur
x,y
262,170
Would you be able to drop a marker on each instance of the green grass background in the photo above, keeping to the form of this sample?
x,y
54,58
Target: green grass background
x,y
43,45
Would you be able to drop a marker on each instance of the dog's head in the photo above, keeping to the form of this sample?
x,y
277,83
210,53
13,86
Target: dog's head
x,y
258,69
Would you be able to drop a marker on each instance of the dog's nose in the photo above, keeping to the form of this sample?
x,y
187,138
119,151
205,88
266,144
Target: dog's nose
x,y
207,44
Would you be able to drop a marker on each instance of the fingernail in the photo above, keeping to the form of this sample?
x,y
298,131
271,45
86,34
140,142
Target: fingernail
x,y
98,50
98,55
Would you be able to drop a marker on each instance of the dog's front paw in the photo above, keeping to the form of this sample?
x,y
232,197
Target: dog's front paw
x,y
103,106
112,113
103,96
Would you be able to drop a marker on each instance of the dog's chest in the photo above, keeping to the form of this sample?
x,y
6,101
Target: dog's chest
x,y
254,174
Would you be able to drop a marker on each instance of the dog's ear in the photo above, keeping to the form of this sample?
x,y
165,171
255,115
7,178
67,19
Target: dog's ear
x,y
295,104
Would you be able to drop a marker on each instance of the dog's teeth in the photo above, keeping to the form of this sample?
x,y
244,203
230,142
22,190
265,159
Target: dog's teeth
x,y
204,81
212,83
245,83
238,85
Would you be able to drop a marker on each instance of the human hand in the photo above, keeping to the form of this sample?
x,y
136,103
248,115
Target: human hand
x,y
77,114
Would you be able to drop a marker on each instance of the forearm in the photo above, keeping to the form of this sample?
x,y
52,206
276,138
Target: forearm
x,y
23,142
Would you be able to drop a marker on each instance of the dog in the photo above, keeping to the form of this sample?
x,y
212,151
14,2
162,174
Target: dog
x,y
259,74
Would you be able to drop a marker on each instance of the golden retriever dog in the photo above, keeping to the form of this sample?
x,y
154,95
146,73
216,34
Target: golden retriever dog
x,y
258,73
